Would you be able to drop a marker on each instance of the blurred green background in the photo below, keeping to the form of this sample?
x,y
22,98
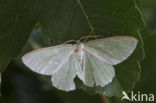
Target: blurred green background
x,y
19,85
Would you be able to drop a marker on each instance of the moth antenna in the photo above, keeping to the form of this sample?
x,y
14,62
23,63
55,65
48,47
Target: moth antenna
x,y
68,42
89,36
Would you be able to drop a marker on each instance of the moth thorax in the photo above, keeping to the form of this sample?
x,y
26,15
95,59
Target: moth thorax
x,y
79,47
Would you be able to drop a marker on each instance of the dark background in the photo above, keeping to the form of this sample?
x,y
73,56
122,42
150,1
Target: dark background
x,y
20,85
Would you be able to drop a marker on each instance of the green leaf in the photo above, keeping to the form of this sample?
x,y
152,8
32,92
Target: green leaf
x,y
15,27
62,20
110,18
148,64
112,89
73,19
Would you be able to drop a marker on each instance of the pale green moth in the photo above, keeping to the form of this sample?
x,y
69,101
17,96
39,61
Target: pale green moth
x,y
91,61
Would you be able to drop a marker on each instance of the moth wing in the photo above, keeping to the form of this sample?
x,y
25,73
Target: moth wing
x,y
64,79
112,50
96,71
48,61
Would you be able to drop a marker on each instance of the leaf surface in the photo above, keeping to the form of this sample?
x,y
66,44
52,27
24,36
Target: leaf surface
x,y
62,20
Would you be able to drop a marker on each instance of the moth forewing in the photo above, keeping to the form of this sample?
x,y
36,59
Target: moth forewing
x,y
46,61
112,50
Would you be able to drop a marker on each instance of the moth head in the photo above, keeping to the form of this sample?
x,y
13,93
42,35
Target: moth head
x,y
79,47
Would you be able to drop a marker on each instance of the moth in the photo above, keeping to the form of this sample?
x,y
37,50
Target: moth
x,y
92,61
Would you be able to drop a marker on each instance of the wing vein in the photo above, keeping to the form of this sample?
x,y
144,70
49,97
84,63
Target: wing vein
x,y
97,56
63,62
